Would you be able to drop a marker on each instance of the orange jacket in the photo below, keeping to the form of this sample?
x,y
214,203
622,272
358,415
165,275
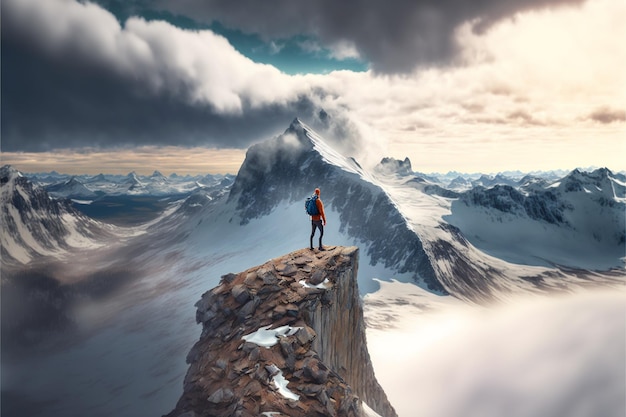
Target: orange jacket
x,y
320,208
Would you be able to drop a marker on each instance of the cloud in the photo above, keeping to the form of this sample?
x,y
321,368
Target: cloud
x,y
395,36
525,85
548,357
606,115
142,159
344,50
71,75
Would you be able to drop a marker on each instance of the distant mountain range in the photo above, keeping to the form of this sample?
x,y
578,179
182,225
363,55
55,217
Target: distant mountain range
x,y
92,186
87,187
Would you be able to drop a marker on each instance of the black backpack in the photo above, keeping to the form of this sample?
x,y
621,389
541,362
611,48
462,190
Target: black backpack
x,y
310,205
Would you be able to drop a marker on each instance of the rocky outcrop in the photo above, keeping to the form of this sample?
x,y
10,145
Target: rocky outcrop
x,y
286,338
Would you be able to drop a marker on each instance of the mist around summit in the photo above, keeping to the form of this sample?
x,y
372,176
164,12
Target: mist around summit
x,y
483,295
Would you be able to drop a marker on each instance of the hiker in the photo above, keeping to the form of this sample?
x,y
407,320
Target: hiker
x,y
316,220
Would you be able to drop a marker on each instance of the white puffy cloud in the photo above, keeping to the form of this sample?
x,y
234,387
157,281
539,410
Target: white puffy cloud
x,y
200,65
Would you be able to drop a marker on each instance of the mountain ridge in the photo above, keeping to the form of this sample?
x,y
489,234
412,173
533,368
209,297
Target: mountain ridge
x,y
34,225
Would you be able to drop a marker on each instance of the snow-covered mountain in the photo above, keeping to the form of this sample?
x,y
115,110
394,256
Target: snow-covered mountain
x,y
263,213
35,225
71,188
394,166
88,188
460,183
489,181
576,222
407,226
157,177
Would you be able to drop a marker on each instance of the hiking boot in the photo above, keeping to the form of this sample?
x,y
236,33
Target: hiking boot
x,y
321,248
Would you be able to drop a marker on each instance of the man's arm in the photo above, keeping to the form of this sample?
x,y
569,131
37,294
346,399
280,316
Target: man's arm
x,y
320,207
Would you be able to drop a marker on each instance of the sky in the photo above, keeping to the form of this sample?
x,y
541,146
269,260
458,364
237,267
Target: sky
x,y
187,86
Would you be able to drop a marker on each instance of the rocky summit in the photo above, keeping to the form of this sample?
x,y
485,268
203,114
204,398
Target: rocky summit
x,y
286,338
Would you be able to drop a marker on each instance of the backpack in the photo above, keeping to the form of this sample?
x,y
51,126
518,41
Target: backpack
x,y
310,205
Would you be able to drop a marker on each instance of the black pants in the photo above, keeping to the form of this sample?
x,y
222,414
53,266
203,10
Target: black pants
x,y
317,224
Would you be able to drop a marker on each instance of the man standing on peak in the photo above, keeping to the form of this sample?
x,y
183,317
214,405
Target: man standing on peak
x,y
316,220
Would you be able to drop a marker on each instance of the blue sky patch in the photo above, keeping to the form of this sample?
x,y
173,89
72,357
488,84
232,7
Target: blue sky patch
x,y
292,55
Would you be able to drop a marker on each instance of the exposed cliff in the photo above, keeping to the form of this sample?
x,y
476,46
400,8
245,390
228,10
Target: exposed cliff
x,y
284,338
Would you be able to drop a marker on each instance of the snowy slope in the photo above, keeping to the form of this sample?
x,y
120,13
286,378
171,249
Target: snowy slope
x,y
576,222
34,225
263,214
478,255
407,226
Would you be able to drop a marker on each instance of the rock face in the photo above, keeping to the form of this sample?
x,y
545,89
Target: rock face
x,y
286,338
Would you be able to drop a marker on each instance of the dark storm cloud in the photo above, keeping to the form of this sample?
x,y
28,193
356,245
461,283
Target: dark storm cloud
x,y
394,35
48,104
71,76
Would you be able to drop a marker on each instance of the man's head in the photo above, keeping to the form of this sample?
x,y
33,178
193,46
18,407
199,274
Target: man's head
x,y
317,191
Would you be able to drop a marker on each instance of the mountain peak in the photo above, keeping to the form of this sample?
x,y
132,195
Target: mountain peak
x,y
298,128
602,173
99,177
296,122
8,172
395,166
296,160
